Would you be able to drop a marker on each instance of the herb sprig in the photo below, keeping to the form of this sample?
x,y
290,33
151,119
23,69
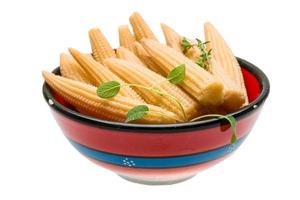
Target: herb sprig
x,y
111,88
186,44
203,59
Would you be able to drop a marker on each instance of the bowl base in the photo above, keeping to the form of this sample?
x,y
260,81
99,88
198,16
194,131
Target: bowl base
x,y
155,182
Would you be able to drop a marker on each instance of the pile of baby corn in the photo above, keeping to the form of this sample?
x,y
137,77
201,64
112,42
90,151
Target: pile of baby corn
x,y
142,59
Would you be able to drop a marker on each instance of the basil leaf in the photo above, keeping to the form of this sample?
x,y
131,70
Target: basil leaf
x,y
177,74
109,89
137,112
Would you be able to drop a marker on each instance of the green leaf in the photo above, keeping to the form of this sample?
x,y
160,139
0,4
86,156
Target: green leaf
x,y
209,52
177,74
232,122
201,62
199,42
109,89
185,44
137,112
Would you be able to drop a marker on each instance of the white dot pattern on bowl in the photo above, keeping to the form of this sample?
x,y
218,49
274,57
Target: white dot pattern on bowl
x,y
129,163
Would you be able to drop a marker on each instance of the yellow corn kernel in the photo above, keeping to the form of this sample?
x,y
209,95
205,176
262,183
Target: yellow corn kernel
x,y
84,98
100,46
126,54
173,39
146,58
100,73
126,38
132,73
69,68
223,55
140,27
193,53
198,82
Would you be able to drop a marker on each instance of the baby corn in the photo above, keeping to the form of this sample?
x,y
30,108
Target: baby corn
x,y
146,58
233,97
132,73
223,55
100,73
140,27
100,46
126,38
198,83
69,68
84,98
125,54
173,39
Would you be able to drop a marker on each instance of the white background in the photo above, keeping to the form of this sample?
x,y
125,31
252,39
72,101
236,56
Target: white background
x,y
37,162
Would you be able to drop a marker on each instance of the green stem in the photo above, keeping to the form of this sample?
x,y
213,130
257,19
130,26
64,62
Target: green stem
x,y
137,85
160,93
205,116
179,104
230,119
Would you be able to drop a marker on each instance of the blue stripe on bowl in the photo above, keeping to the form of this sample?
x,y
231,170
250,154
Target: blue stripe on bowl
x,y
157,162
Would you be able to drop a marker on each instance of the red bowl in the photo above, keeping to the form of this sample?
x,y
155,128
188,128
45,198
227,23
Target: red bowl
x,y
160,153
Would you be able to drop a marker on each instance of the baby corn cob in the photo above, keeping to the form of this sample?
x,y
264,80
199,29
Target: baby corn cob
x,y
133,73
126,54
198,82
126,38
100,46
223,55
140,27
146,58
173,39
101,74
233,97
69,68
84,98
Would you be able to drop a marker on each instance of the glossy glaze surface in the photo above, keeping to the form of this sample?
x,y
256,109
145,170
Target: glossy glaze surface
x,y
159,153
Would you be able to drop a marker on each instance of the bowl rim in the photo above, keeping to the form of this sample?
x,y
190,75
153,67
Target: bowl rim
x,y
165,128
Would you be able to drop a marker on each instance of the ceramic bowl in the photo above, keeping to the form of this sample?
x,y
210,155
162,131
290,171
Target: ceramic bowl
x,y
164,153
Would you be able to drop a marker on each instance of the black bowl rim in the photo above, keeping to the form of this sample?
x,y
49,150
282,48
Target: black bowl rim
x,y
165,128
